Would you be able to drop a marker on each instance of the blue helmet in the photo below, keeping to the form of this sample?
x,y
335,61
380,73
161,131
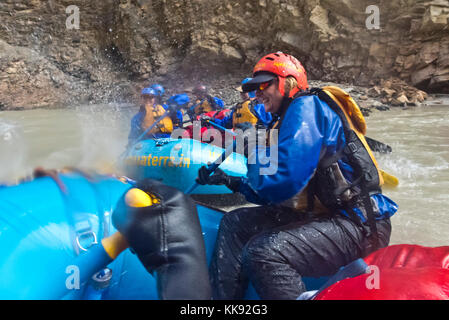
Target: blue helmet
x,y
252,94
159,89
148,91
179,99
219,102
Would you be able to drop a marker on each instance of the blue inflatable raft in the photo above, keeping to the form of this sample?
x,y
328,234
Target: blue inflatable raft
x,y
51,242
176,163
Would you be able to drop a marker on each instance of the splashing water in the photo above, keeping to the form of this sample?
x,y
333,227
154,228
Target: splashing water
x,y
420,160
94,136
90,137
104,135
12,150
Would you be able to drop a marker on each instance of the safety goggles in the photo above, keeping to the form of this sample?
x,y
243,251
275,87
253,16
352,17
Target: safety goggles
x,y
264,85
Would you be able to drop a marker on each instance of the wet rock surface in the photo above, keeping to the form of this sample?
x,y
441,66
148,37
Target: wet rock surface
x,y
123,45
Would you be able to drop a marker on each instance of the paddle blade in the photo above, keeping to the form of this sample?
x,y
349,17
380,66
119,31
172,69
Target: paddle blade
x,y
378,146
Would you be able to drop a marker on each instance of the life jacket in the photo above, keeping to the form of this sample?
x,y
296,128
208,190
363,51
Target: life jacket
x,y
152,114
244,112
206,105
328,190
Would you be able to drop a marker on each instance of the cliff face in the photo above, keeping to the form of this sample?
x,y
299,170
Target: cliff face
x,y
122,44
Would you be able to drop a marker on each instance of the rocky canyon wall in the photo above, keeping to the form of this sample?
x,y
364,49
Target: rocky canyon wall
x,y
122,45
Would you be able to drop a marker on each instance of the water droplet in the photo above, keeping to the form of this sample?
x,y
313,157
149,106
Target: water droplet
x,y
7,136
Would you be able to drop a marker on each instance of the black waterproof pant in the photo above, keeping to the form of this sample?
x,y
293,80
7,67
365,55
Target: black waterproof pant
x,y
275,247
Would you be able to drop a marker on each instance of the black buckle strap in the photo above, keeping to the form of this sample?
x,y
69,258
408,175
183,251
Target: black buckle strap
x,y
373,237
311,195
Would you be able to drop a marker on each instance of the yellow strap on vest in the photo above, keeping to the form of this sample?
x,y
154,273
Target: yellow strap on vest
x,y
355,118
244,114
270,138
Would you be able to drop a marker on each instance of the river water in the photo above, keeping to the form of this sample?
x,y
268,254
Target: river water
x,y
94,136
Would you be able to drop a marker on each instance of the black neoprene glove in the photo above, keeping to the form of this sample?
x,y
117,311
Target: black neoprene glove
x,y
167,238
218,178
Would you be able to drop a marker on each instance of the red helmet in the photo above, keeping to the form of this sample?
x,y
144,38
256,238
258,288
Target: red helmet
x,y
283,65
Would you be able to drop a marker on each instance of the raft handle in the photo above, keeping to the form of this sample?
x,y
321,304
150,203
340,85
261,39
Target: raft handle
x,y
85,235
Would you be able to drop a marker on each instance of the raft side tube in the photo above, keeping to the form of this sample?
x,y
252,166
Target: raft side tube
x,y
176,163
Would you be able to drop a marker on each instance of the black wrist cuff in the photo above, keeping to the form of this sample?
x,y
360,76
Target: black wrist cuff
x,y
233,183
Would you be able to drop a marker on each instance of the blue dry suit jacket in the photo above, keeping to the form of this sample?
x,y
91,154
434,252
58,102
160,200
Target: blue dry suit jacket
x,y
259,111
310,130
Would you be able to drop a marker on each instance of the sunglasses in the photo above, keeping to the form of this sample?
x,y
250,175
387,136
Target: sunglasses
x,y
264,85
